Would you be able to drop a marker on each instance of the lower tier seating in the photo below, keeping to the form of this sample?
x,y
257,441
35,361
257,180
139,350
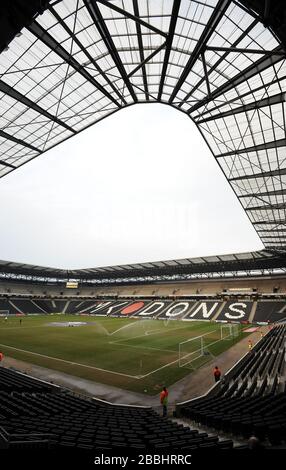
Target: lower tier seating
x,y
35,414
251,399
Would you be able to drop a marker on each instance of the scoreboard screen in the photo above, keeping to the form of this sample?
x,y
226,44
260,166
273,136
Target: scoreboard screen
x,y
71,284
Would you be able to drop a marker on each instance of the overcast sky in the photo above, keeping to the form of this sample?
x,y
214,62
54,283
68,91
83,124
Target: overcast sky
x,y
138,186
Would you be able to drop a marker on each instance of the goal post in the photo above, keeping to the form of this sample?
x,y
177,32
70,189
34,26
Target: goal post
x,y
4,313
190,350
229,331
193,349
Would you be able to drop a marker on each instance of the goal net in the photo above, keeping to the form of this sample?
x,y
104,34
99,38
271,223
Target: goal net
x,y
201,348
4,313
190,350
229,331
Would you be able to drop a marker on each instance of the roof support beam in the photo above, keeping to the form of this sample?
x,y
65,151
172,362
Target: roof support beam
x,y
276,230
145,61
141,49
277,192
206,73
241,50
255,148
4,135
38,31
239,99
257,67
267,207
265,174
266,9
275,247
210,27
275,99
266,237
218,62
169,41
135,18
100,25
89,56
16,95
271,222
7,164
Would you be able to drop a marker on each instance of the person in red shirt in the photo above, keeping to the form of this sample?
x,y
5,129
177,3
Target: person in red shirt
x,y
1,356
217,374
164,400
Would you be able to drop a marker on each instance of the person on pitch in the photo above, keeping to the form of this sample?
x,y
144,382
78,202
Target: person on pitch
x,y
164,400
217,374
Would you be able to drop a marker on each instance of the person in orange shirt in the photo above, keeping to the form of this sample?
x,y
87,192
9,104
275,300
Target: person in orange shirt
x,y
164,400
250,344
217,374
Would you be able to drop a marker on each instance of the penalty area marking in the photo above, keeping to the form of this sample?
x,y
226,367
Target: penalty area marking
x,y
148,333
141,347
176,360
137,377
72,363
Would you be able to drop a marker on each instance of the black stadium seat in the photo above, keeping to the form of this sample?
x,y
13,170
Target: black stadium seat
x,y
253,402
59,419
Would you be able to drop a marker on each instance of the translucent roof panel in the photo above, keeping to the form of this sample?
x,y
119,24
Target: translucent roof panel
x,y
182,267
82,60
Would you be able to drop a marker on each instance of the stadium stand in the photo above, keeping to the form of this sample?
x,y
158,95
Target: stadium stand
x,y
270,311
202,288
23,306
178,310
251,397
36,414
204,310
4,305
13,308
60,305
238,310
44,306
235,95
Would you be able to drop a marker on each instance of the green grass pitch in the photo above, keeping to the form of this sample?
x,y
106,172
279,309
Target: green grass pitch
x,y
134,354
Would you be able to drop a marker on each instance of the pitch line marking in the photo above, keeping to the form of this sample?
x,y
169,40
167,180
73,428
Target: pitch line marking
x,y
177,360
159,368
137,377
149,333
73,363
19,327
141,347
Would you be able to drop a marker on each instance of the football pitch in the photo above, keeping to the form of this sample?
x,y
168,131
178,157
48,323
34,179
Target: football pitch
x,y
135,354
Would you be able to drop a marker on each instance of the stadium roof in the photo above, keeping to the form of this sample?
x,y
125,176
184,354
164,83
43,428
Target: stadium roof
x,y
66,64
243,264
